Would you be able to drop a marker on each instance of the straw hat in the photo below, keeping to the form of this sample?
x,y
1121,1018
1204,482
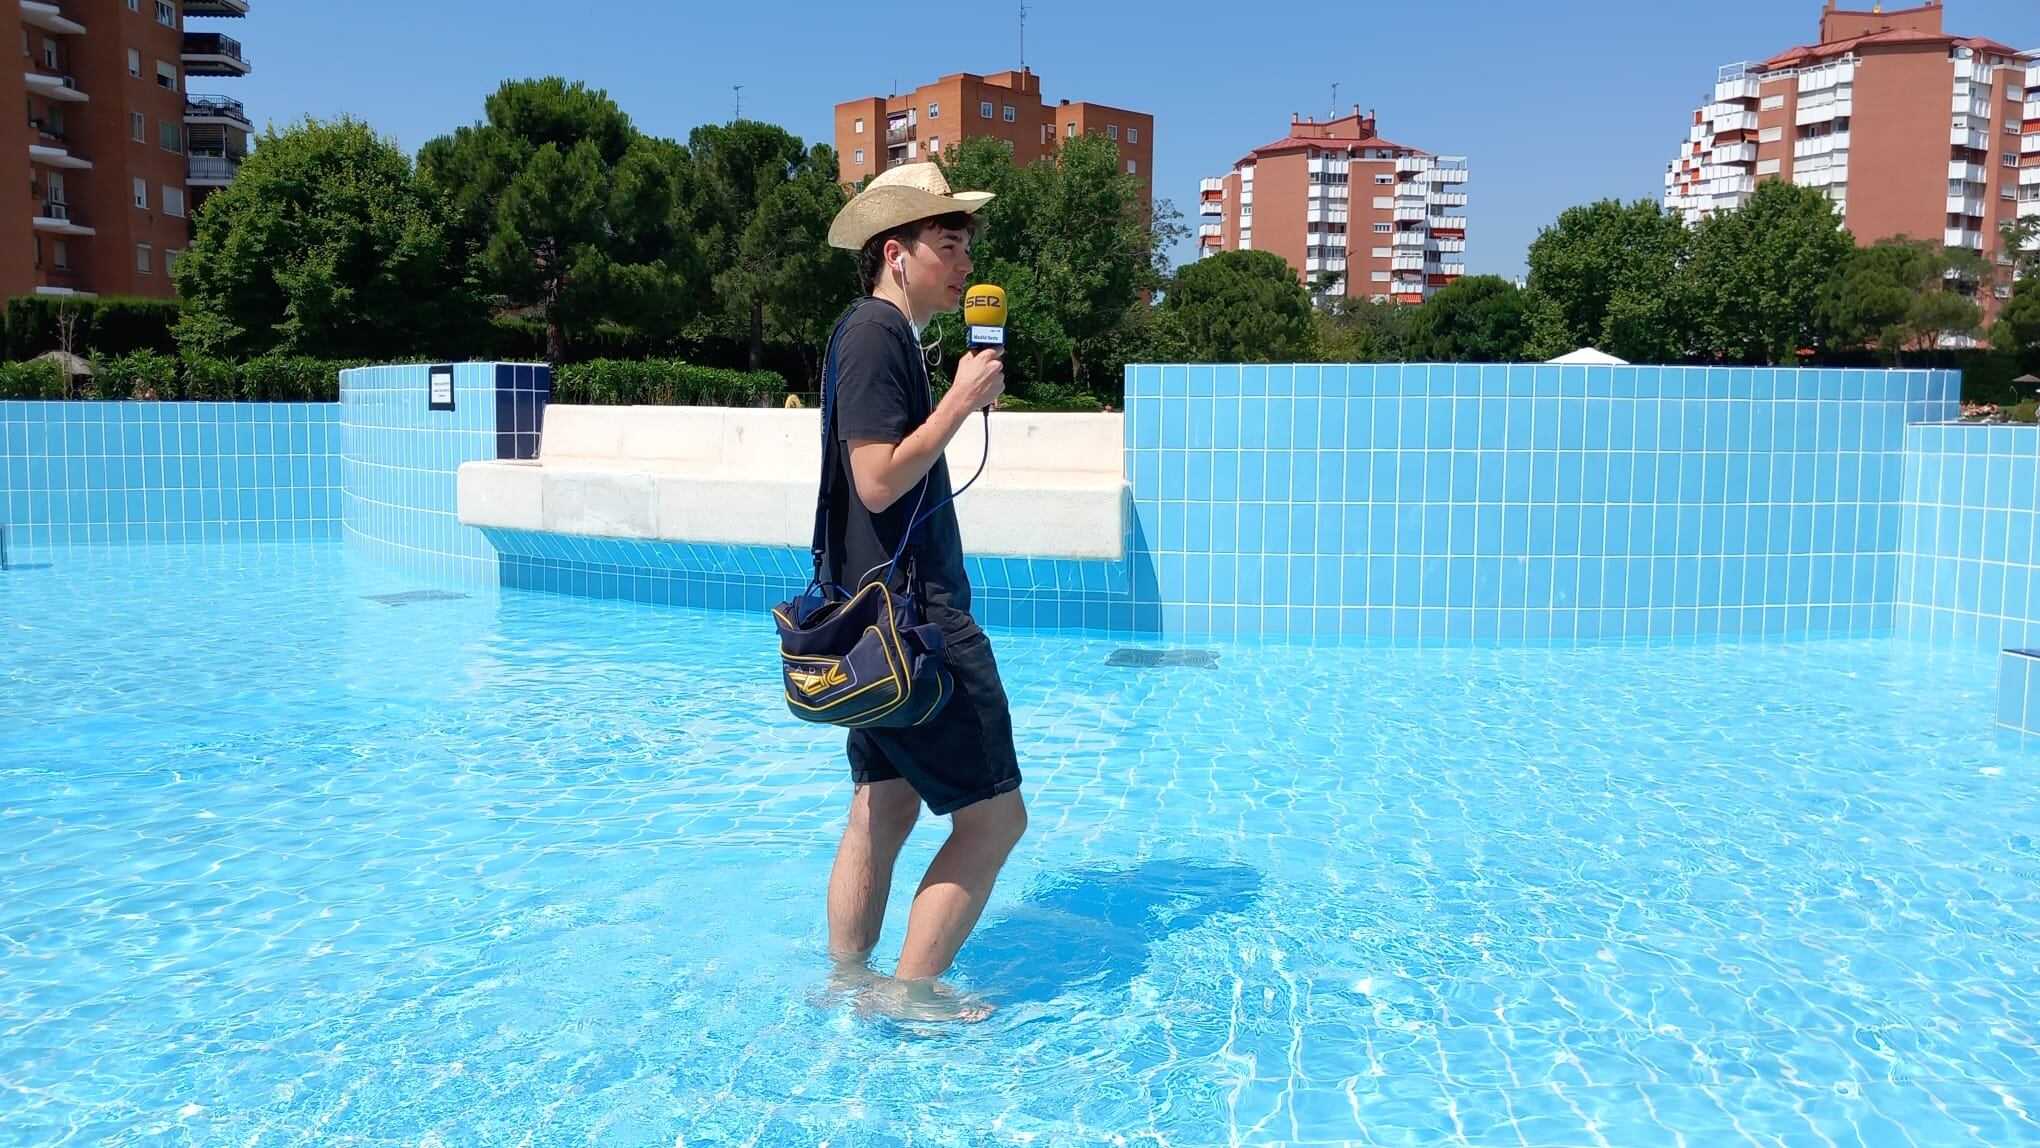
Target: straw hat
x,y
895,197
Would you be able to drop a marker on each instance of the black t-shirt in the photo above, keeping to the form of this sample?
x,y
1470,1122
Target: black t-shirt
x,y
882,392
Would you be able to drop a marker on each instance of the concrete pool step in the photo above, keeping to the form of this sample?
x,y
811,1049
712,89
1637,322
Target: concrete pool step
x,y
1054,485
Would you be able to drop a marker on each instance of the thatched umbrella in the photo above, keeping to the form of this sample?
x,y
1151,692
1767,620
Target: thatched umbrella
x,y
73,365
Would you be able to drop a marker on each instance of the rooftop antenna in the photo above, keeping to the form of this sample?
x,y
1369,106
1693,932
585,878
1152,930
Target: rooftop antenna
x,y
1335,100
1023,36
740,99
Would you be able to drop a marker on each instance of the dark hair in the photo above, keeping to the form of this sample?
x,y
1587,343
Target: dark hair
x,y
871,260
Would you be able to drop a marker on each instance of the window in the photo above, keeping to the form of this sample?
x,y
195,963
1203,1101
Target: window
x,y
142,194
49,54
1112,132
934,110
134,5
1009,113
1769,166
2010,192
1381,276
171,136
860,155
134,63
166,13
1771,135
985,109
1130,170
1382,229
60,256
1133,135
2011,127
1381,253
166,75
173,202
2011,160
142,263
1382,201
1773,103
934,144
857,127
1070,130
1384,180
138,127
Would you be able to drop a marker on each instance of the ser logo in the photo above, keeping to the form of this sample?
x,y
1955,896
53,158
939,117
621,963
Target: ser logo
x,y
984,301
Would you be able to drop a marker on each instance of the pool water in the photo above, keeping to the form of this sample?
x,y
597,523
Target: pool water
x,y
285,864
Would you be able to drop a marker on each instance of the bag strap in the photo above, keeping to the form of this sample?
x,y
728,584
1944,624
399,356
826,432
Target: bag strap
x,y
830,463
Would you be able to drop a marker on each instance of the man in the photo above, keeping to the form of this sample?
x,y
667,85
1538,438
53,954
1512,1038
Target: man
x,y
913,238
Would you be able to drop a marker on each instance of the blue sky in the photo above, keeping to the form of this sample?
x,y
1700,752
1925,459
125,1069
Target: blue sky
x,y
1554,104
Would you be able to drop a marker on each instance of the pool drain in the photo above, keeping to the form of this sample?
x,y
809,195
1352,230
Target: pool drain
x,y
410,596
1149,659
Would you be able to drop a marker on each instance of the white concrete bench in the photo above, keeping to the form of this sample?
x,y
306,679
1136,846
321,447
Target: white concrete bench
x,y
1053,487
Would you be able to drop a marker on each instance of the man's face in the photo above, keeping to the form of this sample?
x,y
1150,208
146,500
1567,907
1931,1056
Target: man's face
x,y
938,270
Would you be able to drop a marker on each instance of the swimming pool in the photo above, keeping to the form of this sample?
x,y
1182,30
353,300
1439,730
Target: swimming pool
x,y
284,863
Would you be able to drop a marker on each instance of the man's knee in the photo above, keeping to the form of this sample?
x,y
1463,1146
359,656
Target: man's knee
x,y
887,809
998,822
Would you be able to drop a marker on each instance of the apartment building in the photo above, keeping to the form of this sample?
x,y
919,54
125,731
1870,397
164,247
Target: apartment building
x,y
878,132
117,150
1356,215
1910,130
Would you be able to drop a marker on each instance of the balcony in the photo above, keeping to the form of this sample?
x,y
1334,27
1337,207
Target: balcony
x,y
215,7
1410,214
1744,152
1209,231
2032,109
213,170
2030,145
1413,163
1417,238
1971,207
1450,246
54,218
2029,176
1448,199
57,157
1977,108
60,88
1735,122
1211,207
49,18
1822,111
1832,75
1448,223
1970,138
211,54
1745,87
1821,145
1407,263
2029,209
1961,171
216,110
1963,237
1452,270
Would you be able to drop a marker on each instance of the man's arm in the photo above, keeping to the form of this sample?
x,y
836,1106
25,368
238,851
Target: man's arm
x,y
883,471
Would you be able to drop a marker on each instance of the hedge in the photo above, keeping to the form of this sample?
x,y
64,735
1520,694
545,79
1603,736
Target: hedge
x,y
150,375
664,382
108,326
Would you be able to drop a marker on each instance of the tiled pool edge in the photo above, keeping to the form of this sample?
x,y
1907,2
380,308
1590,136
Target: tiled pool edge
x,y
2018,700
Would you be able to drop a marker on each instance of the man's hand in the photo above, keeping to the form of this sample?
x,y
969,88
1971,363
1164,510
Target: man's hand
x,y
980,380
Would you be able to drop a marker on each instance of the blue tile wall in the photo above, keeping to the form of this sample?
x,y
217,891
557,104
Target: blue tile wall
x,y
2018,711
1970,574
400,459
85,473
1522,503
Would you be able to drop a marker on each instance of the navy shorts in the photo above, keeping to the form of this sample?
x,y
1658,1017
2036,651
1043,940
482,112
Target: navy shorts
x,y
965,755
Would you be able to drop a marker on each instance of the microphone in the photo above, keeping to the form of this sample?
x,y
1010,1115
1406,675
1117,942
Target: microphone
x,y
984,316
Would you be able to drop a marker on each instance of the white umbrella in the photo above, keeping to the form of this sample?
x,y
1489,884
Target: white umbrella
x,y
1590,356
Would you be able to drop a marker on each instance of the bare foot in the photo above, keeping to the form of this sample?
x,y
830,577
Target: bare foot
x,y
930,1001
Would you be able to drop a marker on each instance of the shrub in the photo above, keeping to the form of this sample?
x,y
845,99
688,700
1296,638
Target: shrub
x,y
141,375
31,381
278,378
664,382
107,326
2026,412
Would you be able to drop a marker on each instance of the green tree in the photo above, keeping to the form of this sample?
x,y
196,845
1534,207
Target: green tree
x,y
1896,295
324,245
1477,319
1610,268
2018,325
762,202
565,210
1239,306
2021,240
1757,274
1351,330
1072,240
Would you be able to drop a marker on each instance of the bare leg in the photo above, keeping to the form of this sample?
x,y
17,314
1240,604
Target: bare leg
x,y
958,884
882,814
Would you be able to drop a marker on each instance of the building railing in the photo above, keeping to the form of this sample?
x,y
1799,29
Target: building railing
x,y
215,107
212,44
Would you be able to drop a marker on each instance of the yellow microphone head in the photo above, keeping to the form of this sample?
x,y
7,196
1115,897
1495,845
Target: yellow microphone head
x,y
984,315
